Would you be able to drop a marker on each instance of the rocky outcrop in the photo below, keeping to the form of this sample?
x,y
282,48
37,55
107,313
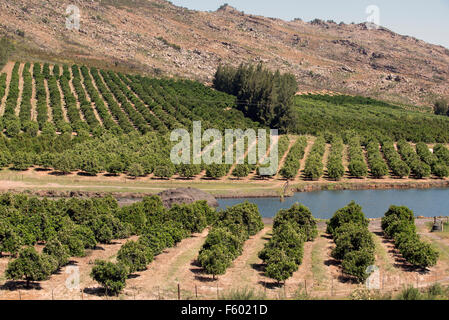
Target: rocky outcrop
x,y
185,196
158,38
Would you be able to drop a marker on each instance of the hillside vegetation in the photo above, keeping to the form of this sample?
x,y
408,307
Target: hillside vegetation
x,y
369,118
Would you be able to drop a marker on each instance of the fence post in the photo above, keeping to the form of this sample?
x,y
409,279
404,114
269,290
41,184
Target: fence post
x,y
217,292
179,292
196,291
20,295
305,285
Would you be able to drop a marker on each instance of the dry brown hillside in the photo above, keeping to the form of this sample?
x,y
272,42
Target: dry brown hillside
x,y
157,37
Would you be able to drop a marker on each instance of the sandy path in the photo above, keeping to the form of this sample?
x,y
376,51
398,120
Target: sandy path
x,y
327,151
63,106
244,271
47,91
166,271
8,70
282,160
72,89
395,272
302,278
33,95
19,99
94,109
310,142
319,256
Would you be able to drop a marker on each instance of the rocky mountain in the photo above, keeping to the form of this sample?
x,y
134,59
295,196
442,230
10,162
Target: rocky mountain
x,y
157,37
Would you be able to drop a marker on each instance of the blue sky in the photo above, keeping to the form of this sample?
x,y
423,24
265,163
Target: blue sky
x,y
427,20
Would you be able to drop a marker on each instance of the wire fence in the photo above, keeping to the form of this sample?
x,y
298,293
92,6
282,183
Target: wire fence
x,y
301,289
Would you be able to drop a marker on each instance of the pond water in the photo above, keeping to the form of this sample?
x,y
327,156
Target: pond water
x,y
323,204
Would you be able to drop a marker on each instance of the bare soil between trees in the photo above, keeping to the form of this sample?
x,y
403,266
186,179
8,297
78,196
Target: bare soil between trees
x,y
175,273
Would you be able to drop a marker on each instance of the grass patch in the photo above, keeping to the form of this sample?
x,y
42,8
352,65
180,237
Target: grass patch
x,y
254,258
167,43
243,294
318,271
383,256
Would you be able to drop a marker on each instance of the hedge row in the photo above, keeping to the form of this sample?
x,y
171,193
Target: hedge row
x,y
102,110
399,225
354,244
292,162
335,168
69,227
114,108
2,85
13,94
27,92
56,106
442,153
85,104
156,92
418,168
377,165
224,242
439,167
70,102
143,93
167,97
41,95
151,119
398,167
138,120
357,166
314,163
283,253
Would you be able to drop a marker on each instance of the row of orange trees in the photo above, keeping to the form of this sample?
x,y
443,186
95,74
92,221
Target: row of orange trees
x,y
314,163
67,228
335,168
283,253
399,225
354,244
229,232
292,161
